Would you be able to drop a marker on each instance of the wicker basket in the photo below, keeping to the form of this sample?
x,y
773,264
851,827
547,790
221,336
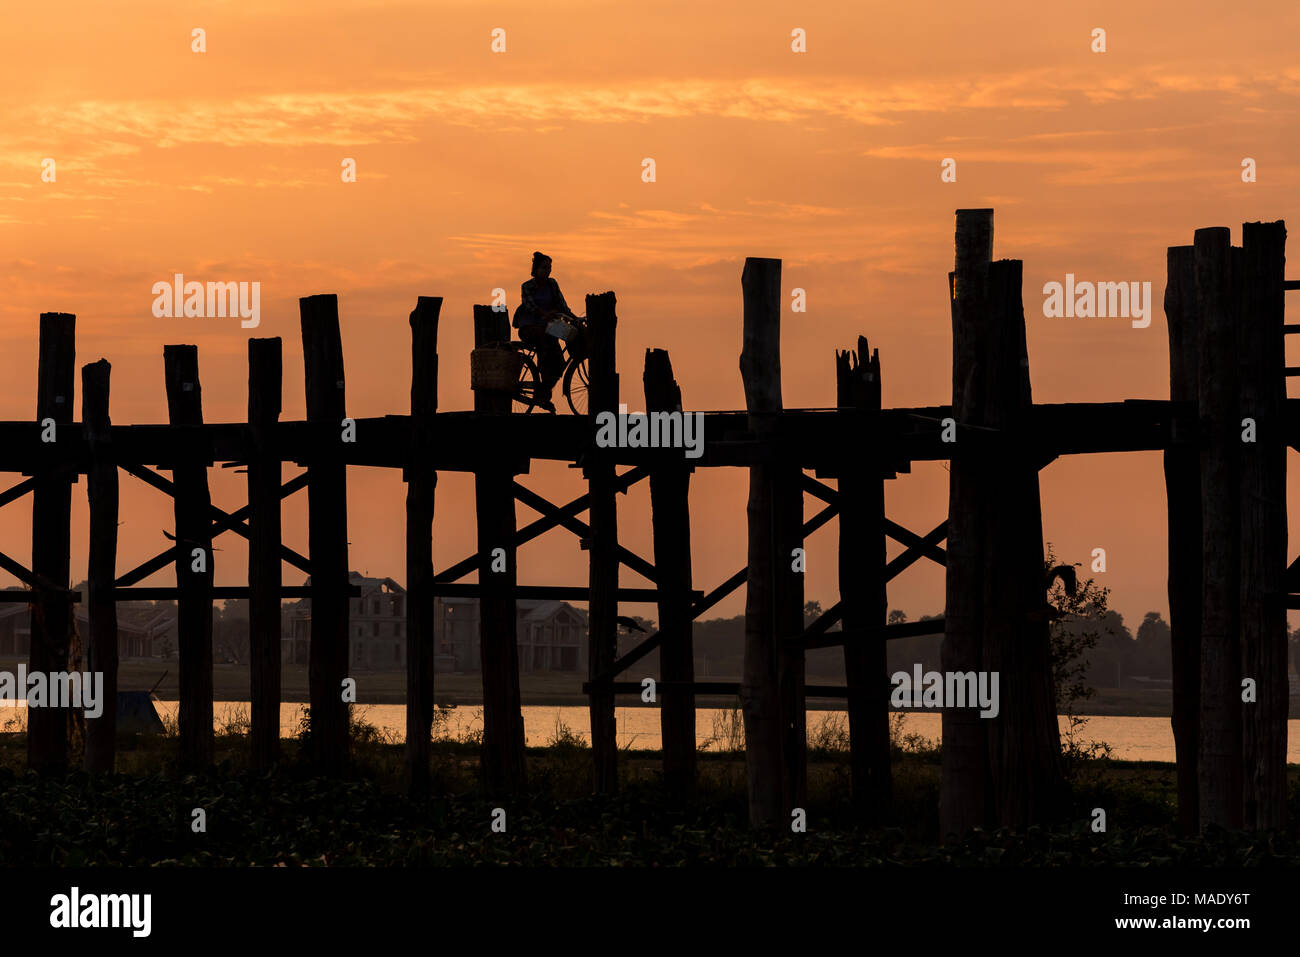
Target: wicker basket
x,y
494,369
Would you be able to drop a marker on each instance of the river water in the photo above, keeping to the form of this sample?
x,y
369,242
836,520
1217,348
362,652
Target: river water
x,y
1132,739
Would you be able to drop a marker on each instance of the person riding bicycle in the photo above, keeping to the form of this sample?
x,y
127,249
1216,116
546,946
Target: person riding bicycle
x,y
541,301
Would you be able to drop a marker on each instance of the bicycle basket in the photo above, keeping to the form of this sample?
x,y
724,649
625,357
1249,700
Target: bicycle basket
x,y
494,369
561,329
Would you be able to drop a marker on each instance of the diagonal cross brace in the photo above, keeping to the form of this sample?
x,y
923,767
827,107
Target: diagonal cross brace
x,y
222,522
708,601
897,532
545,524
27,576
538,504
812,635
918,547
15,492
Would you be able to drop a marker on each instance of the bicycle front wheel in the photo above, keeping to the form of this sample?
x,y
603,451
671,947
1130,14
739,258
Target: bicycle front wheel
x,y
575,386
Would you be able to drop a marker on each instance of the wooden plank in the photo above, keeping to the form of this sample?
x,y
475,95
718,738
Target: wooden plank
x,y
1220,755
809,436
327,531
47,728
194,565
547,592
602,622
219,592
719,688
1183,493
671,524
265,388
846,637
504,768
862,579
1263,525
101,494
963,801
421,483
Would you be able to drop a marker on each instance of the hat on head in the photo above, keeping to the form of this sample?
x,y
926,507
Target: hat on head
x,y
541,259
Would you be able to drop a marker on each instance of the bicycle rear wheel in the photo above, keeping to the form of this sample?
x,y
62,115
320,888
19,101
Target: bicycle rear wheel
x,y
529,385
575,386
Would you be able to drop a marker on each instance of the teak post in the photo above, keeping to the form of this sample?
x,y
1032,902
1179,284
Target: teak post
x,y
265,386
101,494
962,797
1220,755
771,694
1183,493
1263,523
504,769
671,522
327,530
1023,737
421,481
602,609
194,560
51,609
863,599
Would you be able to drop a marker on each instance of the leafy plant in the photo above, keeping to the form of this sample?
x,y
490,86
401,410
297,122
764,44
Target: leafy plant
x,y
1075,631
728,734
564,738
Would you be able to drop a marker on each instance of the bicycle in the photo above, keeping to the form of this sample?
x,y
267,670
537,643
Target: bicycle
x,y
574,378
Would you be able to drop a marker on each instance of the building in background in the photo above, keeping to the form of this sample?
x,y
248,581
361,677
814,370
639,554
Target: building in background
x,y
552,635
144,630
376,626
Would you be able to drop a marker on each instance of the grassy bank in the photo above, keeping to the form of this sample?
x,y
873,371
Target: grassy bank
x,y
143,814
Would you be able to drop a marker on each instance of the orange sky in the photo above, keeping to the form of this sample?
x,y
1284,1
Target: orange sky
x,y
225,166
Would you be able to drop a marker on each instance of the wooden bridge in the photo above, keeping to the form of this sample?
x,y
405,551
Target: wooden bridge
x,y
1229,584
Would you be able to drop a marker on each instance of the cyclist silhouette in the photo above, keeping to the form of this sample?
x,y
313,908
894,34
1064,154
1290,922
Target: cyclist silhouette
x,y
540,302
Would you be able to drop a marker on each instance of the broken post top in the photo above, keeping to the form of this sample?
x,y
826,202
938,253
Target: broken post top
x,y
184,394
56,366
600,309
424,360
1181,321
265,379
490,325
322,354
974,245
857,377
760,356
602,366
94,399
662,393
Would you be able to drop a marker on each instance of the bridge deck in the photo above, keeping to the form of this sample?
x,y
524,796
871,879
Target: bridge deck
x,y
819,439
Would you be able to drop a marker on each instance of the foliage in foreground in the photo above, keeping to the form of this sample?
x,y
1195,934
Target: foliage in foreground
x,y
288,817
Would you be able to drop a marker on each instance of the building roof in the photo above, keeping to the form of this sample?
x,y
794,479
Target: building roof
x,y
370,585
529,609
